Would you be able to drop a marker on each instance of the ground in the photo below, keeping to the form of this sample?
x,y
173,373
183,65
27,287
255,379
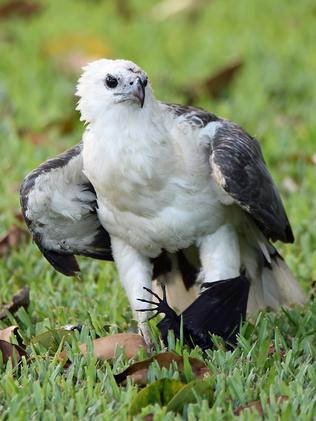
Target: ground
x,y
272,96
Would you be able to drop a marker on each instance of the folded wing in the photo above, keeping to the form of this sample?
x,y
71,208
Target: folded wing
x,y
239,169
59,206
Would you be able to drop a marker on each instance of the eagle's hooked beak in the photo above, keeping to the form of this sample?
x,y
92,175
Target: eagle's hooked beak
x,y
138,91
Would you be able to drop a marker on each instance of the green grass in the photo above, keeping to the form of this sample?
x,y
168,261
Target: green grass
x,y
273,97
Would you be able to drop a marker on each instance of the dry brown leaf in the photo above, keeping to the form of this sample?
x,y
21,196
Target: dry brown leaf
x,y
13,237
34,137
166,9
272,351
123,9
5,334
8,351
256,406
71,52
106,348
302,157
290,185
312,291
64,126
214,84
21,8
20,299
252,406
138,371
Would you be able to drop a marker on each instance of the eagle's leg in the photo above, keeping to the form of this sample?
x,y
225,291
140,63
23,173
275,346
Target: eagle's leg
x,y
135,272
222,303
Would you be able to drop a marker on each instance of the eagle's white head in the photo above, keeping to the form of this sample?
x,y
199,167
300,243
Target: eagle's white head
x,y
110,86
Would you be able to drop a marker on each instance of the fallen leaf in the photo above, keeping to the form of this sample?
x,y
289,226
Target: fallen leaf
x,y
166,9
19,217
64,126
11,239
20,8
252,406
214,84
191,393
123,9
10,351
272,351
106,348
5,334
20,299
312,291
10,333
160,392
52,338
289,185
33,137
256,406
138,371
302,157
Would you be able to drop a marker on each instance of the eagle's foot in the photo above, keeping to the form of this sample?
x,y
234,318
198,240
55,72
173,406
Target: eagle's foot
x,y
160,306
171,321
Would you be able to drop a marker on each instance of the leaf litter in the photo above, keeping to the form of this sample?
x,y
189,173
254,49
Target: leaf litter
x,y
170,393
19,8
138,371
8,350
213,85
12,238
20,299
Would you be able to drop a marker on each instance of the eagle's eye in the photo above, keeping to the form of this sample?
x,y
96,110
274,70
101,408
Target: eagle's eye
x,y
145,82
111,81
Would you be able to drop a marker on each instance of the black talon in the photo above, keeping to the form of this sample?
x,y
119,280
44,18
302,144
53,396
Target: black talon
x,y
152,293
164,292
146,301
171,321
153,316
144,309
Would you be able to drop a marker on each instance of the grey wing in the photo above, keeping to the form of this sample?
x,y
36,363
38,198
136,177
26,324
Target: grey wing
x,y
59,207
239,169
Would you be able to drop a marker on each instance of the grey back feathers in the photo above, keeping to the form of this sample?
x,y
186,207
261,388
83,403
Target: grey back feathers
x,y
59,206
196,116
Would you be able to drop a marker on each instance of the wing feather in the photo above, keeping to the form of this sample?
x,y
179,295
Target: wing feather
x,y
59,206
239,169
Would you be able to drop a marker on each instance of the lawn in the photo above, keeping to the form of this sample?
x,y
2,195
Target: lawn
x,y
272,95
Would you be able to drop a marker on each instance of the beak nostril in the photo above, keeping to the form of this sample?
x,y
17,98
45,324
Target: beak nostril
x,y
137,90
